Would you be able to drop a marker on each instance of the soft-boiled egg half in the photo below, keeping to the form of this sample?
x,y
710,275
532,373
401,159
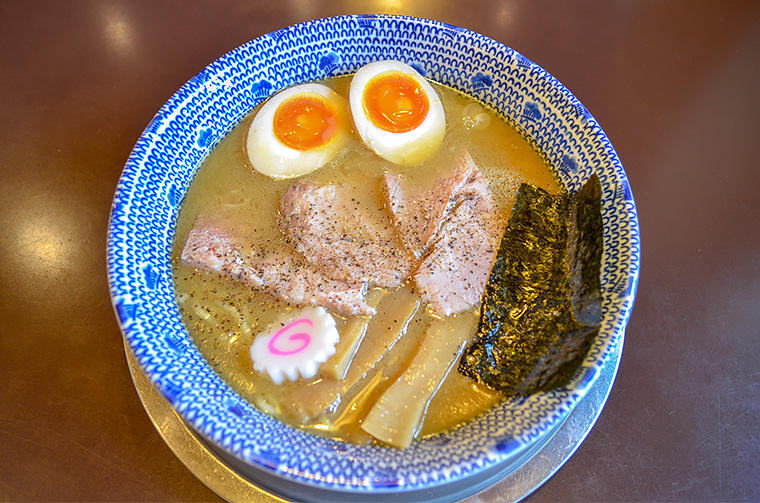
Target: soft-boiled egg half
x,y
297,131
396,112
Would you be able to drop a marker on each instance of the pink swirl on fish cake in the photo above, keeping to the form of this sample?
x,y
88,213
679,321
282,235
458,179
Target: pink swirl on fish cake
x,y
304,337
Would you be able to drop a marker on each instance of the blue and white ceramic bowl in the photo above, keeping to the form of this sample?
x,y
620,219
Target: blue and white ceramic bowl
x,y
188,126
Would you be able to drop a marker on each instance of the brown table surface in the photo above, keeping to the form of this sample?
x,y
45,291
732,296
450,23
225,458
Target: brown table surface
x,y
675,86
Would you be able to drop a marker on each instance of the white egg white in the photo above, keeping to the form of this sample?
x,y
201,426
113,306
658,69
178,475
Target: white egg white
x,y
271,157
408,148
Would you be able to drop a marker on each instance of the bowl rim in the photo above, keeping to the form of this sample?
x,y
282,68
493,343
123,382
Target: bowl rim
x,y
582,384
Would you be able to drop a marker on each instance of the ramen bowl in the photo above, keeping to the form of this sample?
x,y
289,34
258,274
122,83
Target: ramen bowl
x,y
167,155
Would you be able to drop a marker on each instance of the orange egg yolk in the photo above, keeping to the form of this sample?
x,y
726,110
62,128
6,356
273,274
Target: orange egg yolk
x,y
395,102
305,121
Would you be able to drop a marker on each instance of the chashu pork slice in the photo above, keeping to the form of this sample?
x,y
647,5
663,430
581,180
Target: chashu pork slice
x,y
344,232
283,276
418,214
454,226
453,275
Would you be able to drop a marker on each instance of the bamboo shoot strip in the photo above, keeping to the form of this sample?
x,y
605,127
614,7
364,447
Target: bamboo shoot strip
x,y
385,329
397,415
350,338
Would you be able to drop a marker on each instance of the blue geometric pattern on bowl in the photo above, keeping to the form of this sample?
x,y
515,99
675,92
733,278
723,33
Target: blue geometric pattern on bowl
x,y
188,126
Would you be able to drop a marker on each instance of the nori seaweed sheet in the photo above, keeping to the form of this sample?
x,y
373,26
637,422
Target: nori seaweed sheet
x,y
542,304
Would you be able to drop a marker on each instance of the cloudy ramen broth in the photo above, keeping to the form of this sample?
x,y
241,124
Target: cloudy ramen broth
x,y
223,316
